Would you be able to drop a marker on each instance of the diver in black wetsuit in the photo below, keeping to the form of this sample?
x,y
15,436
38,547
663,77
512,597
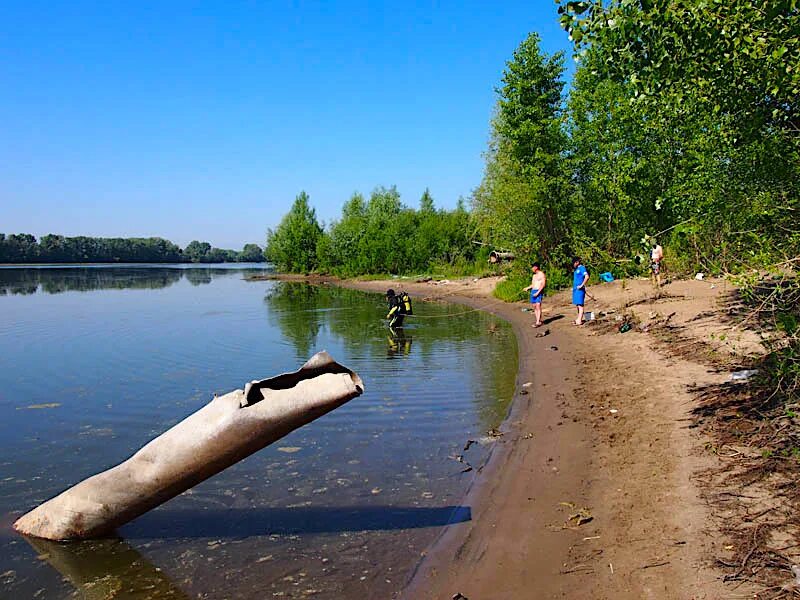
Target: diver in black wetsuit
x,y
399,308
396,309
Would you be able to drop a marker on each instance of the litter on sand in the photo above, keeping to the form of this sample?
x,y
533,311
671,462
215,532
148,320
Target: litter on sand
x,y
743,375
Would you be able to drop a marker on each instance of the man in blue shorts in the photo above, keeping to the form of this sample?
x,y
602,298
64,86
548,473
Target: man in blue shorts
x,y
538,281
579,278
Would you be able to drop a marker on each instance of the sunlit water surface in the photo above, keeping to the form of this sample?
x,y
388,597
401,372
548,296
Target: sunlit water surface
x,y
96,361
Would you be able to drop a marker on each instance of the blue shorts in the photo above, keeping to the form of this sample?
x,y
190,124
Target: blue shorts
x,y
578,297
536,299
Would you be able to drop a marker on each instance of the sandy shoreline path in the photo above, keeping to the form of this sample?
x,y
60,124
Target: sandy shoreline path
x,y
593,491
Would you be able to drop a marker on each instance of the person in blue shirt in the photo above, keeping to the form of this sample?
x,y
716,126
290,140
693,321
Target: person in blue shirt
x,y
579,278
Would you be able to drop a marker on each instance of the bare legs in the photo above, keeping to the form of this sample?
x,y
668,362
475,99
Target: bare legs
x,y
579,320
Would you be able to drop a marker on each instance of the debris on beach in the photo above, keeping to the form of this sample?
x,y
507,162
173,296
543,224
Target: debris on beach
x,y
492,435
579,517
743,375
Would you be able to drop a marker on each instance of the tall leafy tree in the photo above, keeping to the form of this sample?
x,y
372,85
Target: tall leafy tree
x,y
196,251
251,253
340,248
738,57
292,245
522,202
684,118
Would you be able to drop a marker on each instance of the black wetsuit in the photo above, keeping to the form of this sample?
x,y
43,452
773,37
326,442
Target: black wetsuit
x,y
396,311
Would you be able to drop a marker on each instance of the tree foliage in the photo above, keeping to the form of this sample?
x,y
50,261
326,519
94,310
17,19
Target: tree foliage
x,y
682,119
24,248
383,235
735,57
523,202
292,245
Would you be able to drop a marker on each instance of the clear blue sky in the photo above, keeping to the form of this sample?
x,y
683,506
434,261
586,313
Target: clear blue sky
x,y
204,120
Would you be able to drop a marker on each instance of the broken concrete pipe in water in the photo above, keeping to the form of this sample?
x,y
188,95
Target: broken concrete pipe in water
x,y
223,432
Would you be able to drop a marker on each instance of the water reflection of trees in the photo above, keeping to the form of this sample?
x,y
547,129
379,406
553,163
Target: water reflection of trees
x,y
83,279
294,310
302,311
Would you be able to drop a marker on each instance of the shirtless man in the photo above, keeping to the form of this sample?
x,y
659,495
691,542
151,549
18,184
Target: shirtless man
x,y
656,256
536,288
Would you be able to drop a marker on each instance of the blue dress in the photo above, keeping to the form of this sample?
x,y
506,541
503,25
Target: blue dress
x,y
578,296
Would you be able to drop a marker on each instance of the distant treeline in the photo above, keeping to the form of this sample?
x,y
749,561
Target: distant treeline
x,y
24,248
378,235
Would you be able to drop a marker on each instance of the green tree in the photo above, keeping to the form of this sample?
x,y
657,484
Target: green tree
x,y
673,128
251,253
426,202
522,202
340,249
292,245
196,251
736,57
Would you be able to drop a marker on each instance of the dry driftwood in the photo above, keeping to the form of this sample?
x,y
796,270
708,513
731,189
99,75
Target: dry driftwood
x,y
226,430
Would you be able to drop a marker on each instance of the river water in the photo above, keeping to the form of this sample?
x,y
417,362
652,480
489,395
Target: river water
x,y
96,361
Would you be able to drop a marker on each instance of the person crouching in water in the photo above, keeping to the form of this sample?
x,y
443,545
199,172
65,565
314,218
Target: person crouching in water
x,y
396,309
536,288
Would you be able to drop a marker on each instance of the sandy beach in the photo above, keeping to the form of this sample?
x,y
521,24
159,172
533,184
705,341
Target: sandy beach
x,y
595,488
604,483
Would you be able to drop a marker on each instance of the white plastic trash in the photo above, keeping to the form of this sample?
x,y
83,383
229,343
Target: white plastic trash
x,y
743,375
699,276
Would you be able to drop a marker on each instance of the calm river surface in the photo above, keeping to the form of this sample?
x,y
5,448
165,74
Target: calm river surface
x,y
96,361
